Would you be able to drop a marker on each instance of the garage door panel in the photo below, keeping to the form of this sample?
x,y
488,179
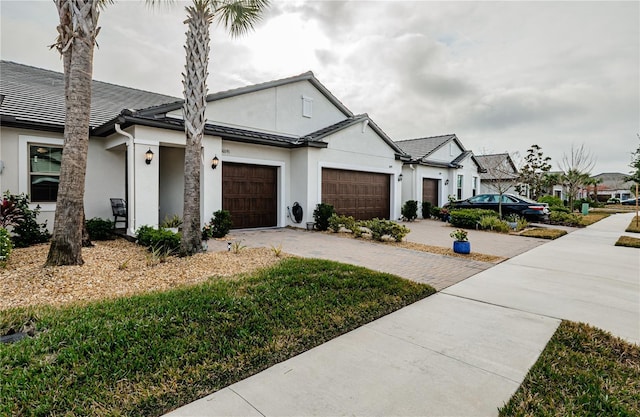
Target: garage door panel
x,y
250,193
363,195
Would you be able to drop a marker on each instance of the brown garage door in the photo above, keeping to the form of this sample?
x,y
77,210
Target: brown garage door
x,y
430,191
250,193
363,195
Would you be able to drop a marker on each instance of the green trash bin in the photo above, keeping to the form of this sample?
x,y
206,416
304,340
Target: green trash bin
x,y
585,208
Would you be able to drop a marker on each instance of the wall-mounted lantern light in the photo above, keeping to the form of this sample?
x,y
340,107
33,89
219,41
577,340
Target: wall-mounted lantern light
x,y
446,182
399,177
214,162
148,156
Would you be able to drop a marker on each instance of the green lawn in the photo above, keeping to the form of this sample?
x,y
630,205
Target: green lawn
x,y
628,241
583,371
148,354
544,233
634,226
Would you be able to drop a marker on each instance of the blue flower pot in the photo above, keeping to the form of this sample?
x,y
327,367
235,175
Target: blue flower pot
x,y
462,247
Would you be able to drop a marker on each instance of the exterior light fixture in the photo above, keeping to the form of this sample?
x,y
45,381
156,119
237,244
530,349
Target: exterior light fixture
x,y
399,177
148,156
214,162
446,182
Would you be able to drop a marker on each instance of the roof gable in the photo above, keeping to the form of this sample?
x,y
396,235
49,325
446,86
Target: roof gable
x,y
501,161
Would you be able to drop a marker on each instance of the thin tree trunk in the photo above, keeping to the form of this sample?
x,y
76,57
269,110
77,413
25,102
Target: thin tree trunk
x,y
78,28
195,92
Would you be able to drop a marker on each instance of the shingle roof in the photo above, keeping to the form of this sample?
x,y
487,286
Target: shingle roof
x,y
491,161
421,148
613,181
36,95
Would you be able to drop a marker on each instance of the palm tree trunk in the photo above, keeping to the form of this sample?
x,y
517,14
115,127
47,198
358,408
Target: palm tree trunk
x,y
77,30
195,93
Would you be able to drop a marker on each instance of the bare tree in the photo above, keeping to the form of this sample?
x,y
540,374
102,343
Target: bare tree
x,y
501,174
576,171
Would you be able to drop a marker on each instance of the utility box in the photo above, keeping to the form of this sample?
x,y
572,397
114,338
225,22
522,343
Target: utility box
x,y
585,208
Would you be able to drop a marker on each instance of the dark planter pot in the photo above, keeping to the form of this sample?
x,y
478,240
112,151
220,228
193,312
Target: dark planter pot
x,y
462,247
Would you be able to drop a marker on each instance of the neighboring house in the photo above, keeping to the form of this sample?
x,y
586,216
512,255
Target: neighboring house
x,y
439,167
279,143
501,174
612,185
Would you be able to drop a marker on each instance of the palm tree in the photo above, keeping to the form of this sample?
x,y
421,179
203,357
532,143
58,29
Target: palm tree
x,y
237,16
77,33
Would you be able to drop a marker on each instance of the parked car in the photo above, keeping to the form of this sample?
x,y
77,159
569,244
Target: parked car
x,y
511,204
629,202
613,200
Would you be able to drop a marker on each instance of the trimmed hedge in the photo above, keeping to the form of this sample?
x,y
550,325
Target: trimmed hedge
x,y
322,214
158,239
566,219
468,218
410,210
380,228
426,209
100,229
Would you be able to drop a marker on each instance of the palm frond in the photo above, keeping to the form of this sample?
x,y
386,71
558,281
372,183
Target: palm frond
x,y
239,16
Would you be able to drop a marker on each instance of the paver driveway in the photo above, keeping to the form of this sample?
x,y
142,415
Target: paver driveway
x,y
436,270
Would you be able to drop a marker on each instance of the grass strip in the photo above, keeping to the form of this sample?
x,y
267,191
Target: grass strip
x,y
148,354
634,226
592,218
543,233
583,371
628,241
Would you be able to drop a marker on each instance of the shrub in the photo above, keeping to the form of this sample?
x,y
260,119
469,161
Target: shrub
x,y
348,222
468,218
566,219
380,228
321,215
100,229
160,240
493,223
426,209
521,224
25,228
5,246
561,209
435,212
551,200
10,214
220,223
410,210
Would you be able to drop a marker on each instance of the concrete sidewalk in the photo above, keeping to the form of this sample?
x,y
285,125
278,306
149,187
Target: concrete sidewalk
x,y
461,352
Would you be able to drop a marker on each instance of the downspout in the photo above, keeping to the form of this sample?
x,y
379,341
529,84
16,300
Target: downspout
x,y
132,184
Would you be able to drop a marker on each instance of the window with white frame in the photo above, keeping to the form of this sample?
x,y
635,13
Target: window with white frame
x,y
474,191
44,172
459,184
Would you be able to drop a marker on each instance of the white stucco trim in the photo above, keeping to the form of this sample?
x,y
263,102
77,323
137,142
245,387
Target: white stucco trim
x,y
23,165
148,142
281,179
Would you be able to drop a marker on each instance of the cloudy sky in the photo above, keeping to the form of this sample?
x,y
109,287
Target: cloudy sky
x,y
500,75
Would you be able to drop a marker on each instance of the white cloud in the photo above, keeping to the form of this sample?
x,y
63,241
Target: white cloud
x,y
502,75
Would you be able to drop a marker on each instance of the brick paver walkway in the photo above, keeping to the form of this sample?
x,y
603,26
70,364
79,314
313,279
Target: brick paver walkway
x,y
436,270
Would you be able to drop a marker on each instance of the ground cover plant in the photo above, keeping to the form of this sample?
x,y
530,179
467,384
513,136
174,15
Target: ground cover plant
x,y
583,371
628,241
147,354
544,233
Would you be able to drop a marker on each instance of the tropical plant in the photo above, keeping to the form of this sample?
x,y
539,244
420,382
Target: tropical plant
x,y
25,229
10,213
238,17
171,222
76,40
